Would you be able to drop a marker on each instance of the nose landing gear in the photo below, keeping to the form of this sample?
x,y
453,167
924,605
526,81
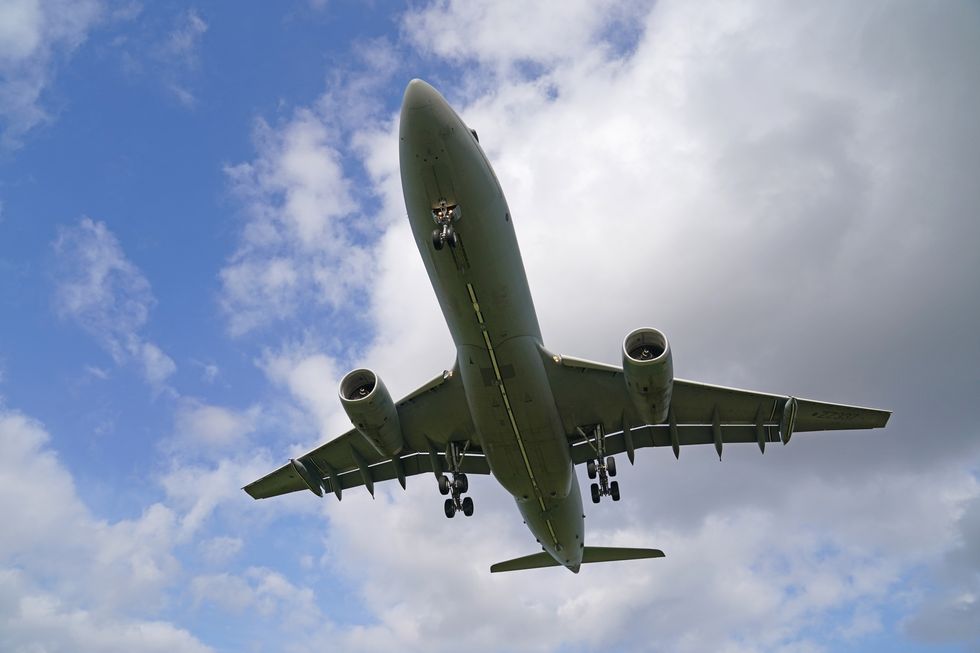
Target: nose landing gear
x,y
601,467
457,486
445,215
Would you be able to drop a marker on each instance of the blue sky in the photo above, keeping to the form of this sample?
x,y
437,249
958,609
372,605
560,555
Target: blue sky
x,y
202,230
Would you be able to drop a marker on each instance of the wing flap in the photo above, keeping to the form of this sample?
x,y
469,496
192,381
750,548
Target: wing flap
x,y
414,464
589,393
687,434
434,414
285,479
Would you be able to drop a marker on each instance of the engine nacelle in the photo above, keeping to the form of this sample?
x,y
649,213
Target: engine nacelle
x,y
649,373
368,404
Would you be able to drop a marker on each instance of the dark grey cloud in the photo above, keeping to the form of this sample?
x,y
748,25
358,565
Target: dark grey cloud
x,y
954,616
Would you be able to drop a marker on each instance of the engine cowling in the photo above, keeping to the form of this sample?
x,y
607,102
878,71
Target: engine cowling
x,y
649,373
368,404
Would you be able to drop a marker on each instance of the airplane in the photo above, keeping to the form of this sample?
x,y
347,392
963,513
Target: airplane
x,y
509,407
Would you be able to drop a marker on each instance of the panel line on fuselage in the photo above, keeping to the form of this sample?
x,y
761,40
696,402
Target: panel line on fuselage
x,y
507,407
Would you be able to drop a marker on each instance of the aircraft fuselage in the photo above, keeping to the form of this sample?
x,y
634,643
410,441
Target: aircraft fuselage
x,y
483,292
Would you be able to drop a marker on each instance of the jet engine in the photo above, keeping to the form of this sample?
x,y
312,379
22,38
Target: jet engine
x,y
649,373
368,404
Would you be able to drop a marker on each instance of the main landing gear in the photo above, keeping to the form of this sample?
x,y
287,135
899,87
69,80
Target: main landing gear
x,y
445,215
602,467
456,486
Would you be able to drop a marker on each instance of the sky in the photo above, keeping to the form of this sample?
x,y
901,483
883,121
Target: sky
x,y
202,230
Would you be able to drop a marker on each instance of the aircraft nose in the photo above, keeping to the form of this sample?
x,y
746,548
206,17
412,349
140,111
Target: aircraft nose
x,y
418,94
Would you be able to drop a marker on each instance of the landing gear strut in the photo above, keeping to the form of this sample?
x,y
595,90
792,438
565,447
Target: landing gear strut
x,y
601,467
445,215
456,486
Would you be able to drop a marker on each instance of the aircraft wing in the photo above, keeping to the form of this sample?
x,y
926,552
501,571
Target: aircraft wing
x,y
589,393
431,417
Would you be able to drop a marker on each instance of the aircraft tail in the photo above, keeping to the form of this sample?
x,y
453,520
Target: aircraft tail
x,y
590,554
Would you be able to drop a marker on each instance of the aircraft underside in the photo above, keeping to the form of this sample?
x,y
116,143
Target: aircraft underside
x,y
509,407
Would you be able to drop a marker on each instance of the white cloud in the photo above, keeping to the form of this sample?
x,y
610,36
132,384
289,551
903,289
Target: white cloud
x,y
70,581
311,379
170,59
259,591
180,55
211,427
741,565
107,295
210,372
99,286
295,248
309,222
187,99
503,33
31,620
21,29
97,372
157,366
185,39
33,35
219,550
197,490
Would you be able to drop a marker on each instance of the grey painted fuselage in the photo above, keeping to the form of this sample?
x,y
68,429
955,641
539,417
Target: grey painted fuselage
x,y
483,292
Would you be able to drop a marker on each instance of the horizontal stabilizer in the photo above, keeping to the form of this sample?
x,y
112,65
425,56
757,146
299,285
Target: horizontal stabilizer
x,y
533,561
590,554
612,553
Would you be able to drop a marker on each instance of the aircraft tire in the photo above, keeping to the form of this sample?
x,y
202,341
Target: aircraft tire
x,y
614,490
468,506
590,469
437,239
611,465
595,492
450,508
462,483
451,239
443,485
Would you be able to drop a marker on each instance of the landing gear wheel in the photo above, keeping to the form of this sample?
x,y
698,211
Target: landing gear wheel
x,y
611,465
462,483
590,469
468,506
614,490
595,492
450,508
444,485
451,239
437,238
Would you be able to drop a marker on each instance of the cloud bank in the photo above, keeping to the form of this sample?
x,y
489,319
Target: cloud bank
x,y
755,180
